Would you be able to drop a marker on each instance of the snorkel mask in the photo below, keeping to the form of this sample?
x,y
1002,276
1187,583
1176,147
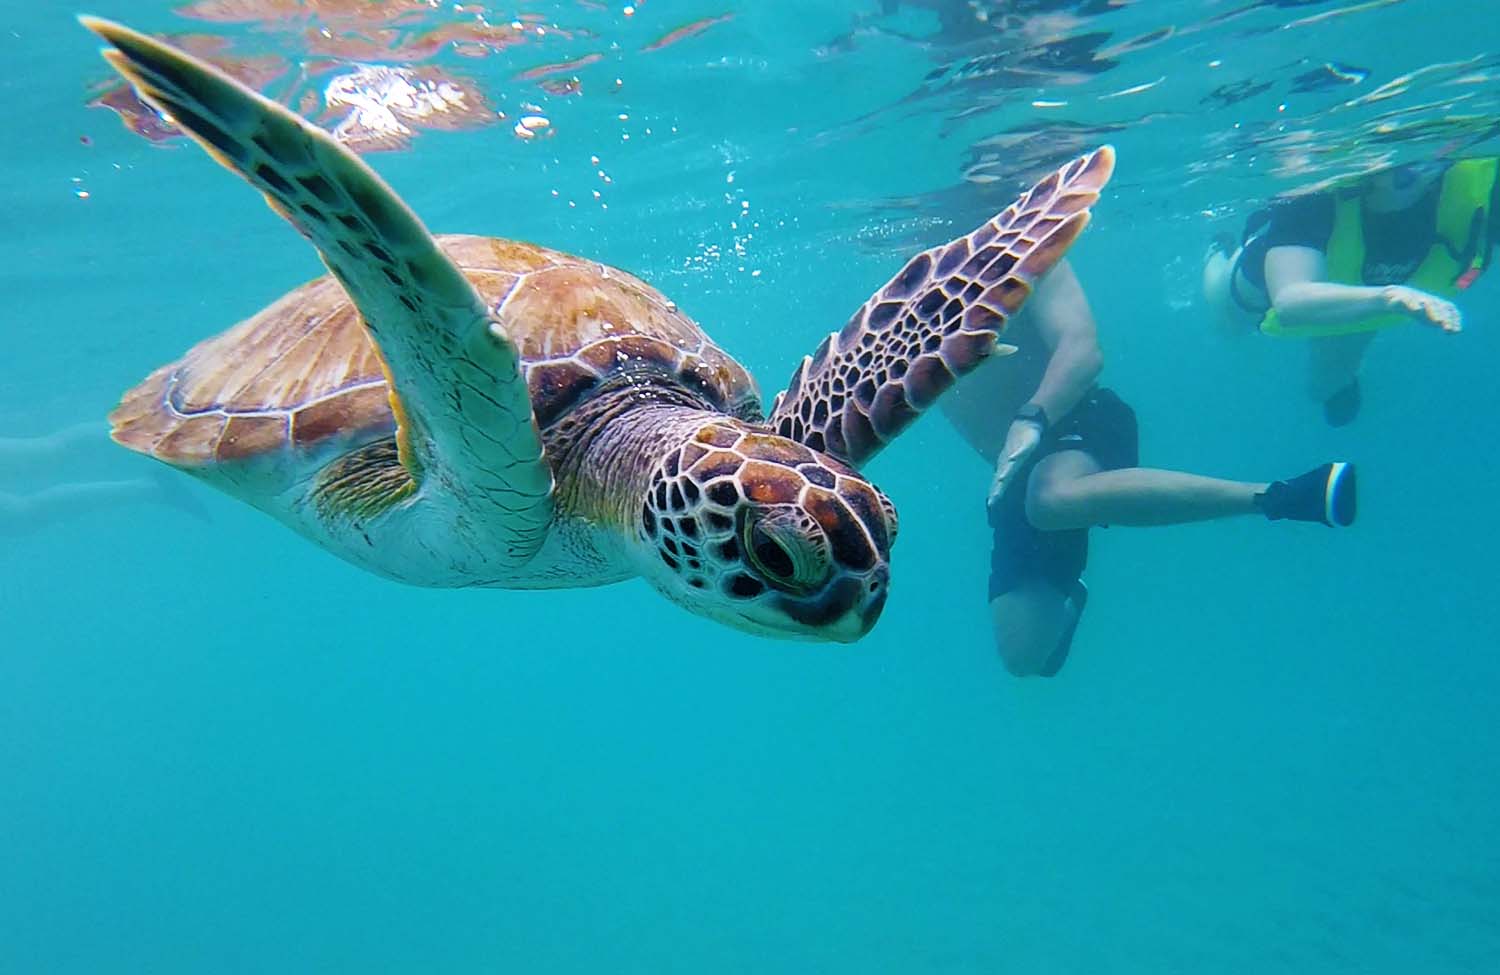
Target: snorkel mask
x,y
1410,176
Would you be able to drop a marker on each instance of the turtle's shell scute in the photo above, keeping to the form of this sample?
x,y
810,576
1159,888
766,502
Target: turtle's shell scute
x,y
295,373
578,323
304,371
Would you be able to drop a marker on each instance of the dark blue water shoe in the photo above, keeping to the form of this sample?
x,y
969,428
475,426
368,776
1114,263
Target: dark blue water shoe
x,y
1324,494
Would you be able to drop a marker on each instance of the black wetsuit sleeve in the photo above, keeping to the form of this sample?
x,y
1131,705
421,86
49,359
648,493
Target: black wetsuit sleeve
x,y
1301,221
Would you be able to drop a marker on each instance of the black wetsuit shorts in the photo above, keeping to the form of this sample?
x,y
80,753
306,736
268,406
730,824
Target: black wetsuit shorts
x,y
1102,426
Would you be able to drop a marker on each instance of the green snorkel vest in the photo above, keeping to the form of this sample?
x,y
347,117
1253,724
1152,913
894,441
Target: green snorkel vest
x,y
1459,251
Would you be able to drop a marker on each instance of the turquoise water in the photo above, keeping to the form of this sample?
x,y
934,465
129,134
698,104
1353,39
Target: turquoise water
x,y
1273,747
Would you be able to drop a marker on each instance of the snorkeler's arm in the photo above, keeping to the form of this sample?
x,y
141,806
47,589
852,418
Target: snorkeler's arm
x,y
1063,319
1303,299
1060,313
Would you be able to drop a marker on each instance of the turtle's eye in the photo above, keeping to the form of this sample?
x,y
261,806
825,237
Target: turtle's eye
x,y
784,557
770,557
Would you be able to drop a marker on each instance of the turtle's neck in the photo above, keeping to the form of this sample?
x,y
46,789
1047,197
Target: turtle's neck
x,y
606,449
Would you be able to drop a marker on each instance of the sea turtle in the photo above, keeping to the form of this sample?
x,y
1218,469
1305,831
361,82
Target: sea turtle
x,y
468,411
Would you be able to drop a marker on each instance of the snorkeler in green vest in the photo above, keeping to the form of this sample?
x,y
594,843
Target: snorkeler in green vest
x,y
1338,266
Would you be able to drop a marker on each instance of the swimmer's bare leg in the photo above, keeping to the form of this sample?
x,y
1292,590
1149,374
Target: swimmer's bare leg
x,y
22,513
55,446
1068,491
1034,622
1034,625
1029,622
1333,363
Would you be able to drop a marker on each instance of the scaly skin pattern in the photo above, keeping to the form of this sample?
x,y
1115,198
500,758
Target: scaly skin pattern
x,y
935,321
728,519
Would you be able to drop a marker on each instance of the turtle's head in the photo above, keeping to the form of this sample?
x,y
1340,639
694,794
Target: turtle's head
x,y
768,536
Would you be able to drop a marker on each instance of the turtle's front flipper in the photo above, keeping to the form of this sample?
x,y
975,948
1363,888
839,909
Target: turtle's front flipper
x,y
935,321
463,404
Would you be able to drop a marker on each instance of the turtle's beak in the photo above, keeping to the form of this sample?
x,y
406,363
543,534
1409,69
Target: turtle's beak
x,y
869,614
854,624
862,618
864,596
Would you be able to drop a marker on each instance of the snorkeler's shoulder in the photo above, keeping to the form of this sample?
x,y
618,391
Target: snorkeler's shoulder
x,y
1302,220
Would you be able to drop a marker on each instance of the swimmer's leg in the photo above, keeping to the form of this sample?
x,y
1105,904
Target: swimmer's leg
x,y
1065,494
1333,374
1062,499
1073,606
1036,595
24,513
1033,626
55,446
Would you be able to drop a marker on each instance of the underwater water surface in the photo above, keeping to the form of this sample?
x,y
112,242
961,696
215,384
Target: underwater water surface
x,y
1273,748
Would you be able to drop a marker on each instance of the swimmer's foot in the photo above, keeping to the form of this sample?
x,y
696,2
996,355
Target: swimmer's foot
x,y
1078,598
1342,407
1324,494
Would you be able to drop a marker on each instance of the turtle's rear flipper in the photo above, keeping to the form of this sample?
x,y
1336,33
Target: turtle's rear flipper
x,y
935,320
462,401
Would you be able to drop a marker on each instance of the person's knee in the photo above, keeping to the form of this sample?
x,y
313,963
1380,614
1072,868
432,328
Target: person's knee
x,y
1023,664
1023,654
1049,505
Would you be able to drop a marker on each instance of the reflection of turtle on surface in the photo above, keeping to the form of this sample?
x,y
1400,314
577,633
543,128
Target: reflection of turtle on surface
x,y
368,107
466,411
384,104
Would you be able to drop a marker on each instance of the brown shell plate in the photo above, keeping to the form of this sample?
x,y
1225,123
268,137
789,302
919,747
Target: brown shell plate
x,y
304,370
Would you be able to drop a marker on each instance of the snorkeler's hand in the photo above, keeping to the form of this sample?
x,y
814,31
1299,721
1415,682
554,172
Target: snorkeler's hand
x,y
1424,307
1021,441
